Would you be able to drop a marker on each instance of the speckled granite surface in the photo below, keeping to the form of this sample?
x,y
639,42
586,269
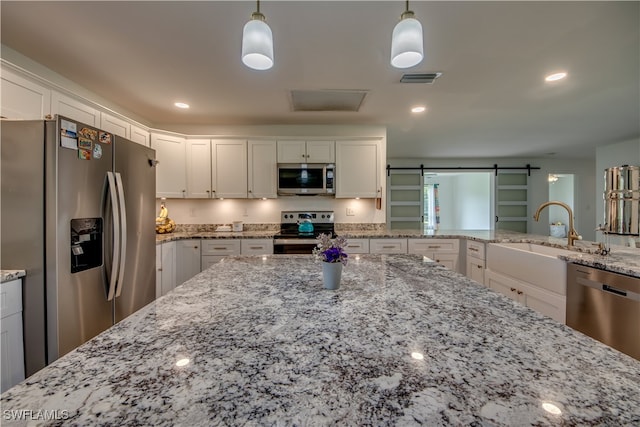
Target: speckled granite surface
x,y
621,260
268,346
9,275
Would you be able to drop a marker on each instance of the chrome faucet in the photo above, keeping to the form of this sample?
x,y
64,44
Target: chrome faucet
x,y
573,234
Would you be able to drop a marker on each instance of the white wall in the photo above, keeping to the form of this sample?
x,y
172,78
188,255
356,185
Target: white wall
x,y
465,200
473,201
562,191
607,156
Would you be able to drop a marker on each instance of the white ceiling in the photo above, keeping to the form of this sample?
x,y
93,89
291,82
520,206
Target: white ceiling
x,y
491,100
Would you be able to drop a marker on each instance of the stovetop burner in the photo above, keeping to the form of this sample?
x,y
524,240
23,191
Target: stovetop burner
x,y
322,223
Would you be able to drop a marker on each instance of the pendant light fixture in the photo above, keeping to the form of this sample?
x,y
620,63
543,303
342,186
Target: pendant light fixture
x,y
406,41
257,42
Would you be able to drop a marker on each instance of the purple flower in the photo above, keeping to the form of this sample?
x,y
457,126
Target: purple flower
x,y
331,250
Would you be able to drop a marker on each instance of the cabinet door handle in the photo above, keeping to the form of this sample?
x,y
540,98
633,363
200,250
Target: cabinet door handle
x,y
159,269
473,249
519,292
513,289
479,266
195,247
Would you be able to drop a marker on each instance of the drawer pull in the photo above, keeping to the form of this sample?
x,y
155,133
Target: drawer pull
x,y
388,247
433,246
473,249
256,247
219,249
479,266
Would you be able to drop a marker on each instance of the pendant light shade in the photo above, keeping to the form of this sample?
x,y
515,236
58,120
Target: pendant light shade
x,y
406,41
257,43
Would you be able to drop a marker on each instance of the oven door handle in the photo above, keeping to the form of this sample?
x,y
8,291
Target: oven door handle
x,y
294,241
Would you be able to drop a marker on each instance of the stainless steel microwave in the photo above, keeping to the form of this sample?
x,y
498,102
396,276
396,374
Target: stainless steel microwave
x,y
306,179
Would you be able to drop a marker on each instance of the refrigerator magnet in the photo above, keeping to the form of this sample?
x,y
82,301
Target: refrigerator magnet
x,y
97,151
67,141
88,133
84,143
105,138
84,154
68,126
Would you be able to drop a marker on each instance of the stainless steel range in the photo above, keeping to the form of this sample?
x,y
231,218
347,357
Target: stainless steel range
x,y
298,231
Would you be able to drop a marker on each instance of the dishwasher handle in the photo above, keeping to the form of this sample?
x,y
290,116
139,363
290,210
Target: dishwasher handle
x,y
613,290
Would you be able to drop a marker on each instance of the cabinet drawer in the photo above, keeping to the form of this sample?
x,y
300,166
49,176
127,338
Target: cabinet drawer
x,y
221,247
475,249
357,246
423,246
256,247
10,298
388,246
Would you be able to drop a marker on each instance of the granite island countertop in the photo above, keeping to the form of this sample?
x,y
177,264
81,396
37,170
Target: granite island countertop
x,y
266,345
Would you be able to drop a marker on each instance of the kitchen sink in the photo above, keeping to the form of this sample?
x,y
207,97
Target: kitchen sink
x,y
538,249
535,264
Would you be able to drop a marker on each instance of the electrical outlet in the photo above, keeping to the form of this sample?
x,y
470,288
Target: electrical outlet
x,y
350,212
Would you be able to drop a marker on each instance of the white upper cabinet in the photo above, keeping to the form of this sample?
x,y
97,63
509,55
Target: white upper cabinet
x,y
358,169
306,152
115,125
229,168
140,136
199,168
171,175
74,109
262,169
23,98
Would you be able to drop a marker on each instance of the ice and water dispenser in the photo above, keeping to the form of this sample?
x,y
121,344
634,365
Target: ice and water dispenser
x,y
86,243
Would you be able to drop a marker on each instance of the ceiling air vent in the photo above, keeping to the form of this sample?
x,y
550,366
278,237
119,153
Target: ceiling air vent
x,y
427,78
327,100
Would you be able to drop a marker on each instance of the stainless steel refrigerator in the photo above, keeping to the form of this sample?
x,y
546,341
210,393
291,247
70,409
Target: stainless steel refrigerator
x,y
77,213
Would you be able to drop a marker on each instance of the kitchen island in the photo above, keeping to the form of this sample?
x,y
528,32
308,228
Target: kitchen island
x,y
257,341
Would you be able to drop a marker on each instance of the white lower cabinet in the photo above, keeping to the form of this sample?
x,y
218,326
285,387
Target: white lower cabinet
x,y
548,303
166,269
187,260
256,246
476,263
388,246
215,249
445,252
357,246
12,344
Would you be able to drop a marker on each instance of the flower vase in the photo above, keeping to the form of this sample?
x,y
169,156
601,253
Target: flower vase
x,y
331,272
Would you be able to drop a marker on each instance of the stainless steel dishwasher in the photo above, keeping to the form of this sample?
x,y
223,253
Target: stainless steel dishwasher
x,y
605,306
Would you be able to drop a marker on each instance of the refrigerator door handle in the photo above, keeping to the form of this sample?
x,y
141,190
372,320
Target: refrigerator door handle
x,y
123,233
115,212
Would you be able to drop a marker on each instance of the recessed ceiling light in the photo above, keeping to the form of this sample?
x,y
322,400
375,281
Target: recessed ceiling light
x,y
420,109
181,105
555,76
